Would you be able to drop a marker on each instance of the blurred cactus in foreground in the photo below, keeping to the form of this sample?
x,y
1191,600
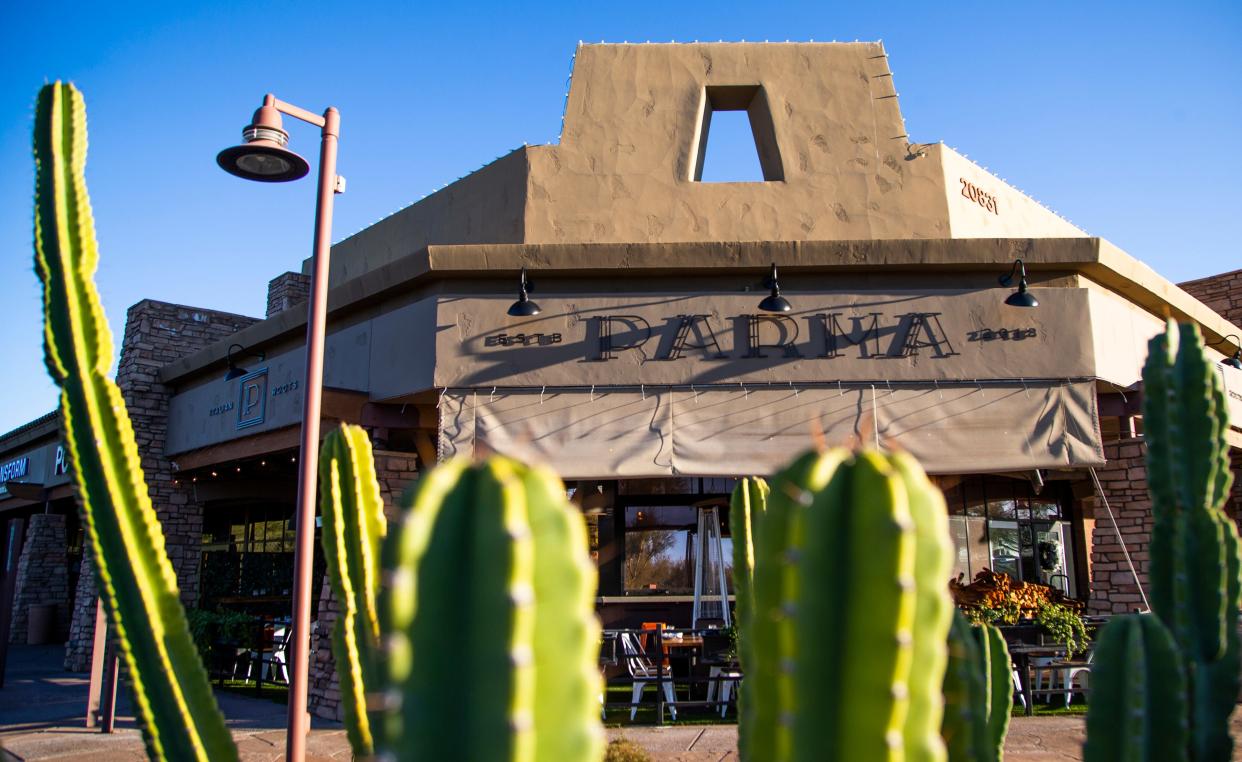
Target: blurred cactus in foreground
x,y
486,641
850,561
172,696
978,693
1194,571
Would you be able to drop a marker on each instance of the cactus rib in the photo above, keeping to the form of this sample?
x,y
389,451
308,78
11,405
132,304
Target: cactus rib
x,y
178,713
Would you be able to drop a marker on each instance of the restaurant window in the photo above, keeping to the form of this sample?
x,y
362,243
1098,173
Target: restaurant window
x,y
1000,523
661,535
247,554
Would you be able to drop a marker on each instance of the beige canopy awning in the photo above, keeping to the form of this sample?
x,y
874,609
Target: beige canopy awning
x,y
715,431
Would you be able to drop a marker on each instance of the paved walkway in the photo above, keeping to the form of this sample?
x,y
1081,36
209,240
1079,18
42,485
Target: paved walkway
x,y
41,711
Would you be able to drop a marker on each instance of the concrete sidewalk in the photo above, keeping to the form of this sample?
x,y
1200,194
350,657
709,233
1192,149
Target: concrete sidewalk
x,y
42,707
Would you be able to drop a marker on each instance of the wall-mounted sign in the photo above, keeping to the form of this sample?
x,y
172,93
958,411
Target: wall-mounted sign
x,y
61,464
985,200
14,469
252,399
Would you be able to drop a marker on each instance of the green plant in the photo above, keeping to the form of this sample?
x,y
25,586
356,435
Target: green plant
x,y
1194,570
624,750
485,641
977,693
746,506
844,645
1065,626
172,696
1138,698
210,627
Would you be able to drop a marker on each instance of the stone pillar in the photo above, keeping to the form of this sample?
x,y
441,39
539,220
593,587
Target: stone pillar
x,y
157,333
82,628
42,577
1124,481
395,472
287,290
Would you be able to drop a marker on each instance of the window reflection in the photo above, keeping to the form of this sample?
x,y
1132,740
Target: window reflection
x,y
660,546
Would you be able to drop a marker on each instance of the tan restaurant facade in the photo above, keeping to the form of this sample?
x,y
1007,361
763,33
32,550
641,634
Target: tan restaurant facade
x,y
650,379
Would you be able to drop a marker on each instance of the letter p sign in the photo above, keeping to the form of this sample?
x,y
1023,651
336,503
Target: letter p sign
x,y
252,399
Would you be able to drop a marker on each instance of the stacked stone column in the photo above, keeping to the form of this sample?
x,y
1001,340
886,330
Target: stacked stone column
x,y
42,578
156,334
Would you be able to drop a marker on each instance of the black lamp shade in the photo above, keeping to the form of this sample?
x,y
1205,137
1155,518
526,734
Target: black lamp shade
x,y
775,303
1235,361
1022,298
235,372
524,307
264,163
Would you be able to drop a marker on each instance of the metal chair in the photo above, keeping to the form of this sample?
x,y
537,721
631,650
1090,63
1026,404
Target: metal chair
x,y
644,671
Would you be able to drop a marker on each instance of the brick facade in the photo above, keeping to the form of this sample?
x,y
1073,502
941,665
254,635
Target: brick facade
x,y
157,333
287,290
1223,293
42,577
395,472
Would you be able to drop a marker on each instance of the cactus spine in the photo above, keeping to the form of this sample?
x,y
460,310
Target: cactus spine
x,y
978,695
1194,577
353,527
178,713
850,560
1138,698
486,631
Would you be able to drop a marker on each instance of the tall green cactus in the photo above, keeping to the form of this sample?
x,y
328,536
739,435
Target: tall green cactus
x,y
1194,560
175,705
1138,698
749,500
850,561
978,693
353,528
486,630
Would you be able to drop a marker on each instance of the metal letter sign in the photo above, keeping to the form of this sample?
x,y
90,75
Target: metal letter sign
x,y
252,399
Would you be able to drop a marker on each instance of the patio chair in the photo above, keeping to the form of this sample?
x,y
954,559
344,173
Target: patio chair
x,y
726,677
643,671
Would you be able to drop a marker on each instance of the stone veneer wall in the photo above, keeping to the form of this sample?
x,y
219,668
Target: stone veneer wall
x,y
42,576
1124,480
1223,293
82,624
395,472
287,290
157,333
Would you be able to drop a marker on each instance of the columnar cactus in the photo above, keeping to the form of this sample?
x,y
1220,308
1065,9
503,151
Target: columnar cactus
x,y
353,528
487,640
1194,555
750,500
1138,697
851,557
173,698
978,693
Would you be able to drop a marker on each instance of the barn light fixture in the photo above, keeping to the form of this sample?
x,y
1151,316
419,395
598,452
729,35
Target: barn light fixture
x,y
774,302
1236,360
1021,297
524,307
235,370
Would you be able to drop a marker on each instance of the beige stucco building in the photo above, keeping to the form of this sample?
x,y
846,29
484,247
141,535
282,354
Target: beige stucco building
x,y
651,378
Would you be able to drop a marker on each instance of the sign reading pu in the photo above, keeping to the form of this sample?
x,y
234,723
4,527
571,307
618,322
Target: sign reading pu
x,y
252,399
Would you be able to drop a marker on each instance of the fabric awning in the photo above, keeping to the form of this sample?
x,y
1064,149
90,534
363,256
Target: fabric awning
x,y
716,431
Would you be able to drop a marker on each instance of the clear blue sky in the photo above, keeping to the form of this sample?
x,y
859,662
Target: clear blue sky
x,y
1123,117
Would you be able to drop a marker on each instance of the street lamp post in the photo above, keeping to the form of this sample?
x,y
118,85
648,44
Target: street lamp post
x,y
265,158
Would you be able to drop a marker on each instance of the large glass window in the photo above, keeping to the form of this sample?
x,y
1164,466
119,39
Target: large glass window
x,y
660,545
1002,524
247,553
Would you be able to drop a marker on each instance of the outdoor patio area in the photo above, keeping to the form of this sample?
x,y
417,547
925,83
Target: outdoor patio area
x,y
41,710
